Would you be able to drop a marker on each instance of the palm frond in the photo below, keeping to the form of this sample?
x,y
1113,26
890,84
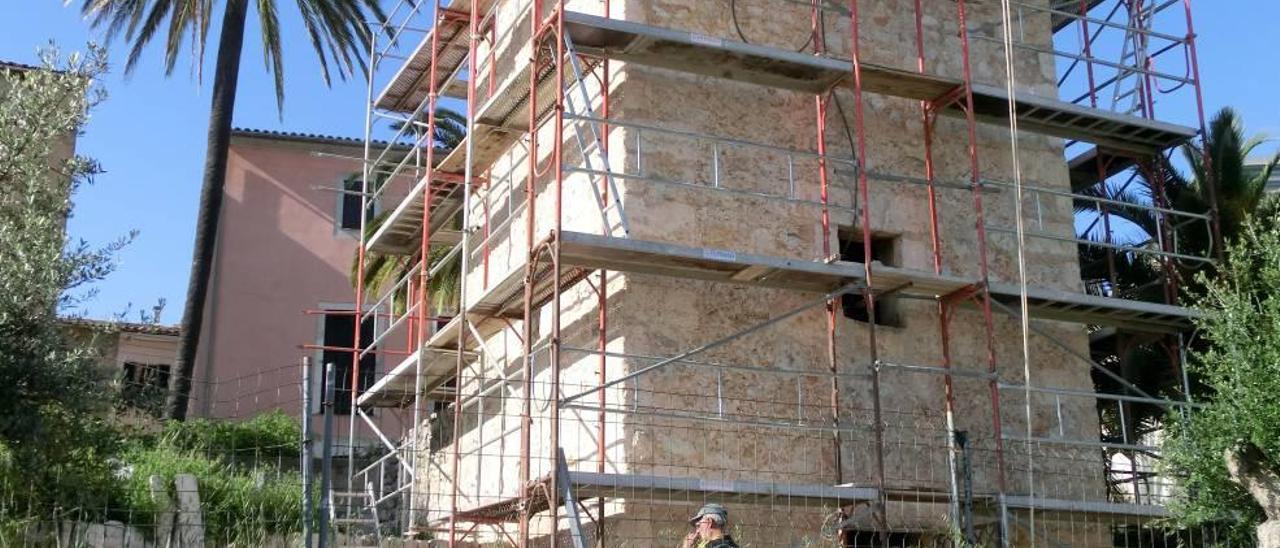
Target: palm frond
x,y
272,52
336,29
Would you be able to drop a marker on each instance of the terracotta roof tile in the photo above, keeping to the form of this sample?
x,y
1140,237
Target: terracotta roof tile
x,y
124,327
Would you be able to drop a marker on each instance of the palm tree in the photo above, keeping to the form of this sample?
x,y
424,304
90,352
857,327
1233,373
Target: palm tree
x,y
1145,360
1223,178
336,29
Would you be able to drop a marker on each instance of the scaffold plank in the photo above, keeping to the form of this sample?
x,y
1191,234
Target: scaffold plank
x,y
581,252
490,143
408,88
395,388
776,67
439,361
1053,304
667,488
1057,118
1083,168
1061,20
401,230
644,487
703,263
1086,507
709,55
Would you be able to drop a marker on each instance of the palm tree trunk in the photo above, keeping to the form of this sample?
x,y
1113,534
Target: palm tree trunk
x,y
230,43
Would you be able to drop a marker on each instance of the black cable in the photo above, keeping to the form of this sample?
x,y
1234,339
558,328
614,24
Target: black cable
x,y
822,22
844,120
733,15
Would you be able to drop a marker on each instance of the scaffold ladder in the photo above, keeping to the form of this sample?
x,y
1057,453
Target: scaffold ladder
x,y
359,511
584,115
1127,95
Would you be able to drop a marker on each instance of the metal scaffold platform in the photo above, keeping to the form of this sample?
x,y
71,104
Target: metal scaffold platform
x,y
580,252
482,384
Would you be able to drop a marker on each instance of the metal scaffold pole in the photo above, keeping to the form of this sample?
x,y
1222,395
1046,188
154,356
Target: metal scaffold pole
x,y
530,270
307,440
326,457
984,273
868,292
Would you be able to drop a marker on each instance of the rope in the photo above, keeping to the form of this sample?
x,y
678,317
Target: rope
x,y
1020,223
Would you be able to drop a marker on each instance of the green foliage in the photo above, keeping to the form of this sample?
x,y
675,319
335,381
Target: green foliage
x,y
245,496
1241,368
61,454
39,273
272,432
51,397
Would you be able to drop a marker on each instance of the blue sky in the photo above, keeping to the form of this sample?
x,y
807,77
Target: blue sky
x,y
150,133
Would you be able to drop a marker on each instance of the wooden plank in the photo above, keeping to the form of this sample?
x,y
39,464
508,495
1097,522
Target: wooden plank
x,y
190,519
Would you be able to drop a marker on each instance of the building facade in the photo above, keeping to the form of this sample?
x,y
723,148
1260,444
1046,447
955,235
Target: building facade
x,y
281,288
136,358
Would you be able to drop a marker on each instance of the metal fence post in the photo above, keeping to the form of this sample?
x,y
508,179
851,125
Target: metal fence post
x,y
306,452
326,457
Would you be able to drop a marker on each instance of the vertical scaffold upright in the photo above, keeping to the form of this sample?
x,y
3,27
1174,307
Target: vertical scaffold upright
x,y
641,280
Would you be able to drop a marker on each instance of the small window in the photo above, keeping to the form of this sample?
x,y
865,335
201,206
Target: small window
x,y
143,387
883,251
339,333
349,204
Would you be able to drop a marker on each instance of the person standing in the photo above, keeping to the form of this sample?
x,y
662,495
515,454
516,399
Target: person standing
x,y
709,526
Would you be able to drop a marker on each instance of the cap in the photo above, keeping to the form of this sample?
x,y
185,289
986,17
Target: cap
x,y
710,509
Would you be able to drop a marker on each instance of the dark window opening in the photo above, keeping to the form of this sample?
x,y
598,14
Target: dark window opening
x,y
441,424
349,218
871,539
143,386
883,251
339,333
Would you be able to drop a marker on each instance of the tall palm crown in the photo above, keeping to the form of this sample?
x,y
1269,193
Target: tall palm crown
x,y
1215,172
336,29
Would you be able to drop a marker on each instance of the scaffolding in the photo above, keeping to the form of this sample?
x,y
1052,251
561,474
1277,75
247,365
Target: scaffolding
x,y
530,419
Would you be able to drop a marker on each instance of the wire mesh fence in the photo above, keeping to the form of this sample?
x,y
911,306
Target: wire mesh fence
x,y
230,475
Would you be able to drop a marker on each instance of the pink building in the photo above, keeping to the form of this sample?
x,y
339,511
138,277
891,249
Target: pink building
x,y
280,287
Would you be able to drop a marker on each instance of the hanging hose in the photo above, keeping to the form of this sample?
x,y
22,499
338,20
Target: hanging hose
x,y
1006,14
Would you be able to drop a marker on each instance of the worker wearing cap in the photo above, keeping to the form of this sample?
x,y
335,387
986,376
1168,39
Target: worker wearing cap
x,y
708,528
